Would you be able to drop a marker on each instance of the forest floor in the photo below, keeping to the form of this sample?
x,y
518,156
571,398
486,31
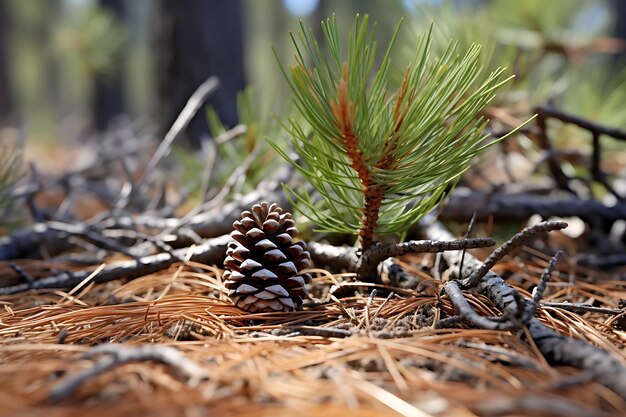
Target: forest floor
x,y
81,332
356,355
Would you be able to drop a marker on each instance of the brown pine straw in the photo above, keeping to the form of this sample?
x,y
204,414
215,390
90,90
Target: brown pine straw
x,y
395,363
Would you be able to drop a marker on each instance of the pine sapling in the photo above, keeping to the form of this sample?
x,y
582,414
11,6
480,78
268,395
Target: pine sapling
x,y
380,159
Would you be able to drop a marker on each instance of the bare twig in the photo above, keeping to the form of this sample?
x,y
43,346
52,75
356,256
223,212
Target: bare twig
x,y
210,223
548,111
584,308
210,252
520,206
22,274
467,313
511,356
346,257
556,348
531,309
195,102
337,258
554,164
313,331
468,233
117,355
519,239
596,130
372,257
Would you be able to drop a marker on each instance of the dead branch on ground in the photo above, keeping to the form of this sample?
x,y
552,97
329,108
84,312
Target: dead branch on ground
x,y
210,252
556,348
118,355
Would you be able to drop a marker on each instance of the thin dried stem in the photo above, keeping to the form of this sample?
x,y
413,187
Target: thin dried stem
x,y
117,355
516,241
543,283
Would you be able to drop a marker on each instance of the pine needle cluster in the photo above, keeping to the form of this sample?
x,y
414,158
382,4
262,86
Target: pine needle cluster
x,y
380,158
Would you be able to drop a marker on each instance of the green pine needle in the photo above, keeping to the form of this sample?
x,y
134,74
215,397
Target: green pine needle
x,y
374,153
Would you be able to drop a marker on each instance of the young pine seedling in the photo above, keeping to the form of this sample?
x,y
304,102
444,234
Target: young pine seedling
x,y
380,159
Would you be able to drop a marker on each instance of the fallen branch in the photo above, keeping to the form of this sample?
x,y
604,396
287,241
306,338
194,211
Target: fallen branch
x,y
336,258
584,308
377,253
541,287
596,129
194,104
117,355
463,202
589,125
556,348
366,266
311,331
467,313
211,251
218,221
516,241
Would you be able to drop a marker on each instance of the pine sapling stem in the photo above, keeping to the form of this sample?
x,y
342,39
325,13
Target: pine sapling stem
x,y
373,192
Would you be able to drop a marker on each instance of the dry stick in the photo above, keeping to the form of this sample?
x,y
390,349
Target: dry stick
x,y
92,236
553,163
215,222
584,308
23,274
513,357
313,331
596,130
532,404
118,355
137,235
336,258
520,206
212,251
468,233
210,149
531,309
516,241
593,127
372,257
345,257
558,349
194,103
467,313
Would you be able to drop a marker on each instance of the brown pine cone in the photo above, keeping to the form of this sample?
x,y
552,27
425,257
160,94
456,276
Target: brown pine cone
x,y
263,263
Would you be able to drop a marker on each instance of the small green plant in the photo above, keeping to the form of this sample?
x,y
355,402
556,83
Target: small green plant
x,y
380,159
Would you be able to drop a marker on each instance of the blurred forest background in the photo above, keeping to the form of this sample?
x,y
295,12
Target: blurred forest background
x,y
67,66
73,71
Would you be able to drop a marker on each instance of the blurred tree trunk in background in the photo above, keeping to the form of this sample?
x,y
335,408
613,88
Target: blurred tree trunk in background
x,y
620,24
109,91
5,92
194,40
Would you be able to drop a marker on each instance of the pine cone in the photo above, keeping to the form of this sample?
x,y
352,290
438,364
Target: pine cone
x,y
263,263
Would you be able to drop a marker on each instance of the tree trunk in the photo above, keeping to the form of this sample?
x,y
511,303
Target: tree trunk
x,y
196,39
109,91
620,24
5,94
